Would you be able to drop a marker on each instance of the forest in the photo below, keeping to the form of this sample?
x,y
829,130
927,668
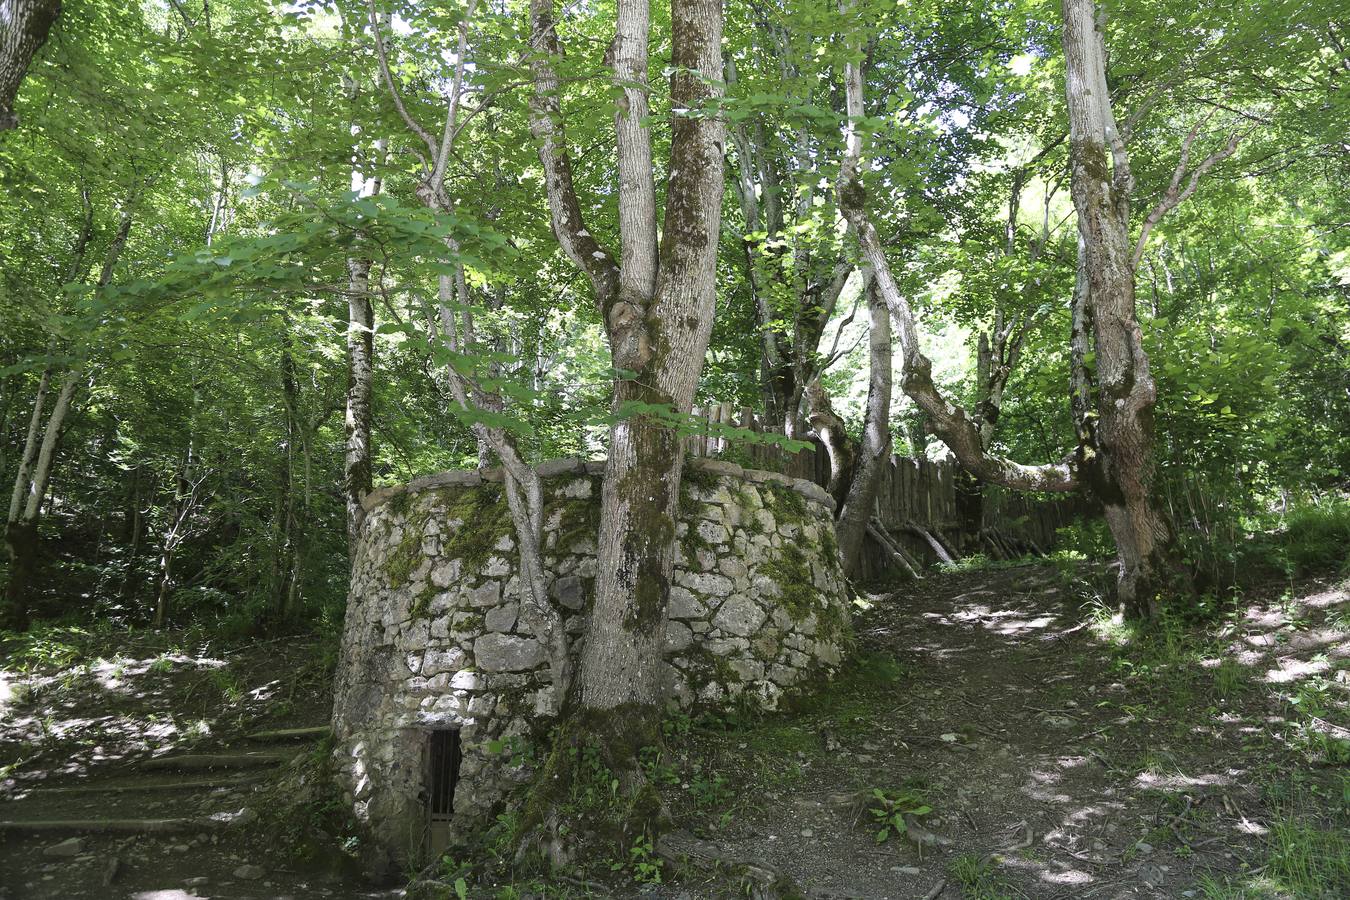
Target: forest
x,y
705,448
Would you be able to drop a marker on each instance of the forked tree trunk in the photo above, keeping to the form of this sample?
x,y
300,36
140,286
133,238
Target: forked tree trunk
x,y
619,677
23,30
657,305
30,491
851,524
1120,471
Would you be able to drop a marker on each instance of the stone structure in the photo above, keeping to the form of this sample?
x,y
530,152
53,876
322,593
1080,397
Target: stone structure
x,y
438,646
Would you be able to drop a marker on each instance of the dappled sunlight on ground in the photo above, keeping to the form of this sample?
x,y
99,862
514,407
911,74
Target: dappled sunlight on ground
x,y
1140,764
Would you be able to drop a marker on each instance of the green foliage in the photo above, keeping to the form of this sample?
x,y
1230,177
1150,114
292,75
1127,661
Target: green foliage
x,y
978,878
888,810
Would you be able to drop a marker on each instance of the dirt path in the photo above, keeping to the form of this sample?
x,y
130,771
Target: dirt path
x,y
1056,764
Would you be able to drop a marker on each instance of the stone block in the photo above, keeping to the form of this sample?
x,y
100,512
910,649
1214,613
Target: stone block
x,y
747,669
550,468
684,605
732,567
468,478
576,489
444,574
709,584
810,490
719,467
507,653
740,616
501,618
570,592
727,646
489,593
678,636
713,532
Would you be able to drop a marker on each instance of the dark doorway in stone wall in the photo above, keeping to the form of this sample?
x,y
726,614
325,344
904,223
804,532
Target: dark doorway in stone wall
x,y
442,775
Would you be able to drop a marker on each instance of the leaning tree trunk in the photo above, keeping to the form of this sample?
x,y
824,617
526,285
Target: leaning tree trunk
x,y
23,30
851,525
1120,472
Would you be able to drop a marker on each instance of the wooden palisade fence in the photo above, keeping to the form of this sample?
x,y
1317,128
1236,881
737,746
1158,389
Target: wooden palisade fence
x,y
916,518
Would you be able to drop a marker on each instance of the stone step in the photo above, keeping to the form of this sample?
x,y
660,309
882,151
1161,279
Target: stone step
x,y
194,761
278,735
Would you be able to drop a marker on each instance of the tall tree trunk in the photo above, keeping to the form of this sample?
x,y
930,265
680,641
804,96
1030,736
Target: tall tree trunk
x,y
356,473
284,533
619,676
658,311
21,532
23,30
135,527
1120,472
856,511
360,373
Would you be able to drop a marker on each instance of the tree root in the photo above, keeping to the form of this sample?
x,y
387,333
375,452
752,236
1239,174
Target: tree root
x,y
754,879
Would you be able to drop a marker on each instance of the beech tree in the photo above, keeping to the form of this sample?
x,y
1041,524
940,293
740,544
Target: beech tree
x,y
23,30
656,301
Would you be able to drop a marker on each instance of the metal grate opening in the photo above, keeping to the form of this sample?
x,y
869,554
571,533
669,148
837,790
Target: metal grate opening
x,y
442,774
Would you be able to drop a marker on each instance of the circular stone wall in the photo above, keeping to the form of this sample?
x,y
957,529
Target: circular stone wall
x,y
436,637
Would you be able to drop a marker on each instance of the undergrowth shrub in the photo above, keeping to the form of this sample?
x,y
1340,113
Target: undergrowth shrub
x,y
1317,538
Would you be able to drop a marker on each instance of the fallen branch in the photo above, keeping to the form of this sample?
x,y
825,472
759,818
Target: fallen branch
x,y
887,543
933,542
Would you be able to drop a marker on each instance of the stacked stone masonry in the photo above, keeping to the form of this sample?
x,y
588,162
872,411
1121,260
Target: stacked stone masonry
x,y
436,635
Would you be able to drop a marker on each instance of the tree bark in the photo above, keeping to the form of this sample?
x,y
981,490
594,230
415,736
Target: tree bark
x,y
24,25
1120,468
665,344
662,338
356,471
851,523
957,429
356,476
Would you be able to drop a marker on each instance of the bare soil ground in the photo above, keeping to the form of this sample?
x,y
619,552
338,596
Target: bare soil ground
x,y
1061,757
1058,756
